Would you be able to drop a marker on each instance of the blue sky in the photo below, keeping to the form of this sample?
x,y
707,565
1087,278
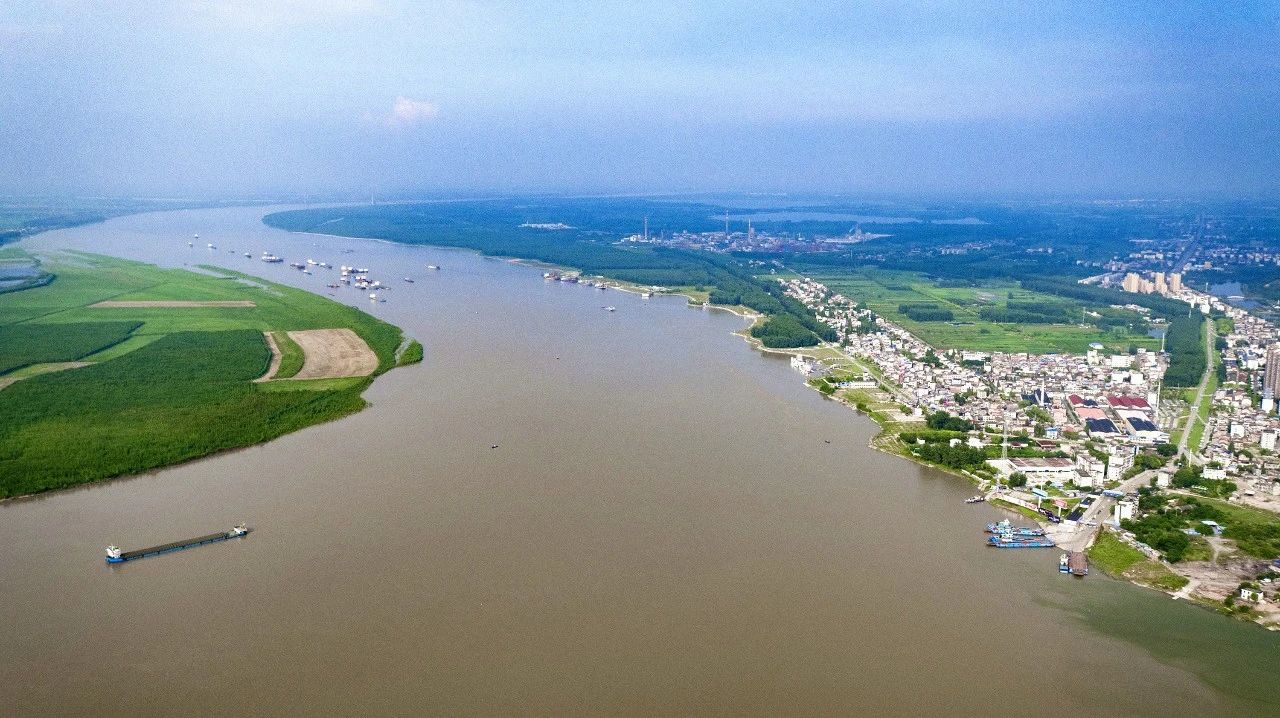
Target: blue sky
x,y
238,98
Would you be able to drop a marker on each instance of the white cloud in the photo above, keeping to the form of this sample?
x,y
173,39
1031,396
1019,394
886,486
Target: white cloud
x,y
406,112
263,15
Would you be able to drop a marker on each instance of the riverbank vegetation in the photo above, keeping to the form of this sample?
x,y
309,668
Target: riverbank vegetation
x,y
412,353
1120,560
162,385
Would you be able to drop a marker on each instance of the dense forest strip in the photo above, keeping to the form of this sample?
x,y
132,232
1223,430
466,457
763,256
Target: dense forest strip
x,y
1185,343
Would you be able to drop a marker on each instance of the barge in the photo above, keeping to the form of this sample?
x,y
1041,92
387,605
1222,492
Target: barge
x,y
116,555
1075,563
1020,542
1004,528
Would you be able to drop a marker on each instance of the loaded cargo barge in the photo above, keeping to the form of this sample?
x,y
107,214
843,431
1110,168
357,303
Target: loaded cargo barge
x,y
1075,563
115,555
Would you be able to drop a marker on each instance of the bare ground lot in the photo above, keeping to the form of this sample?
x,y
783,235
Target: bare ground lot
x,y
334,353
166,304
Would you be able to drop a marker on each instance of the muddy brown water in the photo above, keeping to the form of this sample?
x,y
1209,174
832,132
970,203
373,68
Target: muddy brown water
x,y
663,529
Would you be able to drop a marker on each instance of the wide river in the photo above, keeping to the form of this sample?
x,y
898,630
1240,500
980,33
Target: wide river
x,y
663,529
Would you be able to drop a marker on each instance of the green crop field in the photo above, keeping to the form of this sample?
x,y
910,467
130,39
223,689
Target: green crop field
x,y
26,344
163,384
291,356
886,292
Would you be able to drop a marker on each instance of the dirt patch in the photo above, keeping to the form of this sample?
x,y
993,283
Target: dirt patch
x,y
333,353
176,304
275,359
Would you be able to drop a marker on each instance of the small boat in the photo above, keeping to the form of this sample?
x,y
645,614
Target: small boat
x,y
646,295
271,259
410,281
975,499
247,255
210,245
306,271
312,262
548,275
610,309
432,267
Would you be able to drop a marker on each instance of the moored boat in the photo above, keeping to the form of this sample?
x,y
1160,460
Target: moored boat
x,y
1020,541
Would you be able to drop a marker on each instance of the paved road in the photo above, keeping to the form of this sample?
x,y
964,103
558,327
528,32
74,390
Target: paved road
x,y
1079,537
1191,248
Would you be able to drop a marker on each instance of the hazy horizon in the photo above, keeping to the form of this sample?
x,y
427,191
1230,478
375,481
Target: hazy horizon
x,y
347,99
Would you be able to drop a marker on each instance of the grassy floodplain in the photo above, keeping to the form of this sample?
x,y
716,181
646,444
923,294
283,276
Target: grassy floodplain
x,y
1121,560
161,385
886,292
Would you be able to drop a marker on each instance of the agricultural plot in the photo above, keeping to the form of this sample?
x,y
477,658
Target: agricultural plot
x,y
170,377
967,317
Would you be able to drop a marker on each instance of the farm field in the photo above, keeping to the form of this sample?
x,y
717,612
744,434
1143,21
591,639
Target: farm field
x,y
140,386
886,292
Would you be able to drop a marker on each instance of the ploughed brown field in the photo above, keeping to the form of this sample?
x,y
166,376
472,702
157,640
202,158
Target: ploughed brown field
x,y
334,353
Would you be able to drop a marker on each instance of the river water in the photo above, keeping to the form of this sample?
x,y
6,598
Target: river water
x,y
662,530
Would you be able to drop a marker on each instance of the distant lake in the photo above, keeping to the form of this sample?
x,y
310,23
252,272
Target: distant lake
x,y
965,220
13,275
800,216
1233,293
819,217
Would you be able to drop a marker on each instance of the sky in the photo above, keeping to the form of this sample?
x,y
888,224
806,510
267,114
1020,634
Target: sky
x,y
269,98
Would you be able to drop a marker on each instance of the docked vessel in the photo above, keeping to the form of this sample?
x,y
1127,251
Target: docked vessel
x,y
1020,541
1075,563
116,555
975,499
1004,528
